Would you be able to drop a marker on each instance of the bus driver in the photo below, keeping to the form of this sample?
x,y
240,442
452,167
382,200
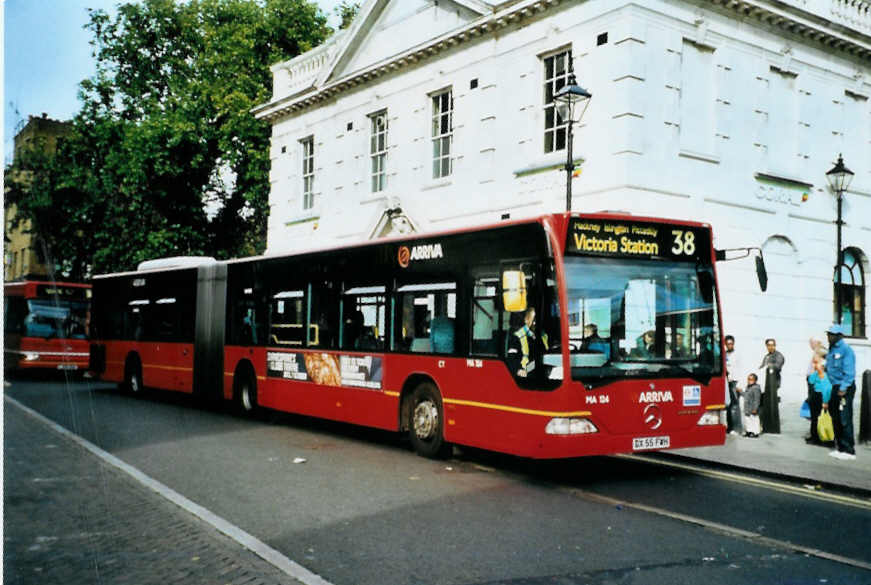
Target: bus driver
x,y
522,347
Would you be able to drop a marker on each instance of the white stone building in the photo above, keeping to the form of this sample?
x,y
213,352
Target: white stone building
x,y
432,114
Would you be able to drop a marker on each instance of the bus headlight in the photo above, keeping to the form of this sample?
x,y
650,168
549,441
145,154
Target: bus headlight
x,y
31,356
570,426
713,417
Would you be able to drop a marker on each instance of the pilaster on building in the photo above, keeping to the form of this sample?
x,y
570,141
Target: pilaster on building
x,y
431,115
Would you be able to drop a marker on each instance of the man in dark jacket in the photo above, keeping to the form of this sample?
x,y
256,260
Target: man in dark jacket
x,y
772,363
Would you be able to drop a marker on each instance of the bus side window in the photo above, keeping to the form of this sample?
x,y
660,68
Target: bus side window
x,y
287,318
246,314
165,320
485,317
323,327
364,318
426,319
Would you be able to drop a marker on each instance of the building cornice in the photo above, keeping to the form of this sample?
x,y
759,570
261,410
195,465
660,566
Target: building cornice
x,y
481,27
843,31
793,20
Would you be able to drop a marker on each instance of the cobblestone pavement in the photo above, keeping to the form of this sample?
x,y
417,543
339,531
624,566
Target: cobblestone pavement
x,y
71,518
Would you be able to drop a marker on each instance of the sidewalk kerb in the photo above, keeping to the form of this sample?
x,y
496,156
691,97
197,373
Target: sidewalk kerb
x,y
779,475
258,547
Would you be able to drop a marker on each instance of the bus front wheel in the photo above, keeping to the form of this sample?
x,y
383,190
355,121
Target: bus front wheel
x,y
426,427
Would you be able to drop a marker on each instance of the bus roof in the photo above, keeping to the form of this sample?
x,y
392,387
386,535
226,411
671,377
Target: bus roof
x,y
182,262
560,217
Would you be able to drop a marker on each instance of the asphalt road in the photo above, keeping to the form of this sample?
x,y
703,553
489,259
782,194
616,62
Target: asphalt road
x,y
362,509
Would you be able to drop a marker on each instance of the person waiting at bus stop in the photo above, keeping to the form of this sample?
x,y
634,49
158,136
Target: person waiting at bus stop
x,y
772,364
524,348
841,367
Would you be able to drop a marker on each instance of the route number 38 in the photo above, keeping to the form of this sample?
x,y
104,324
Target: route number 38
x,y
684,243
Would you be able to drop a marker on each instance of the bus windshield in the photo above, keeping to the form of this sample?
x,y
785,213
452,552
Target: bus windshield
x,y
641,318
55,319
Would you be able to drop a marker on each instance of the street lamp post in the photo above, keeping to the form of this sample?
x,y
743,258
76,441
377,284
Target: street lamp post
x,y
571,104
839,178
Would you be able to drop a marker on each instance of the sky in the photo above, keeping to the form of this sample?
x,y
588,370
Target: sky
x,y
45,56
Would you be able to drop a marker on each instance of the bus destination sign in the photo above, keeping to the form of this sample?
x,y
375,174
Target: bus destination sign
x,y
60,291
632,239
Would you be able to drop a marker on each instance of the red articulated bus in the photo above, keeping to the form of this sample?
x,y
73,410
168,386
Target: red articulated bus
x,y
558,336
45,325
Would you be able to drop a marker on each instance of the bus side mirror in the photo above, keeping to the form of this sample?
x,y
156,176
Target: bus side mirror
x,y
514,291
761,273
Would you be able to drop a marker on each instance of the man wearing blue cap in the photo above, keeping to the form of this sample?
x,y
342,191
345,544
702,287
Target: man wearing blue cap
x,y
841,369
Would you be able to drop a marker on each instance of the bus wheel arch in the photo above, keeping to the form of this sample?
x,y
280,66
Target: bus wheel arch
x,y
133,374
245,387
422,416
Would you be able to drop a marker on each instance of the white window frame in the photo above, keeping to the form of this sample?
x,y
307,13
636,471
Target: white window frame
x,y
554,128
442,133
378,150
307,151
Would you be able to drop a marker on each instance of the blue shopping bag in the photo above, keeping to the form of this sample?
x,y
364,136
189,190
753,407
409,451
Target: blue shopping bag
x,y
805,410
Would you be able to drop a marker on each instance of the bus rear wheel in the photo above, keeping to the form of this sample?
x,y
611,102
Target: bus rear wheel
x,y
246,393
426,424
133,377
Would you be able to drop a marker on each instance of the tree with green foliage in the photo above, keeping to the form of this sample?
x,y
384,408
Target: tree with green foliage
x,y
346,11
165,157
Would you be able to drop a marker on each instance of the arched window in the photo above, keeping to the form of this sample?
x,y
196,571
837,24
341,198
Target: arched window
x,y
850,293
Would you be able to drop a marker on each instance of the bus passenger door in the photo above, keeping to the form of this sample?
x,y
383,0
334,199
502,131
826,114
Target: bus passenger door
x,y
173,359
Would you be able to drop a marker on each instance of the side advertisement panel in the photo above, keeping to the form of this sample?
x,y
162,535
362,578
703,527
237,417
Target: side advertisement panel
x,y
358,371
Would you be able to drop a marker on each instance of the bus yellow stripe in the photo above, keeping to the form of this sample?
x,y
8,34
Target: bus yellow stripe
x,y
153,366
506,408
172,368
715,407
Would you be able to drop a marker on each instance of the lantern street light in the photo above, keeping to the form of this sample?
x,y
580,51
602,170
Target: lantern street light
x,y
839,178
571,104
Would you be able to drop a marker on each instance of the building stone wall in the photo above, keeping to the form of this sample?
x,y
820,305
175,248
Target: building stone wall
x,y
724,112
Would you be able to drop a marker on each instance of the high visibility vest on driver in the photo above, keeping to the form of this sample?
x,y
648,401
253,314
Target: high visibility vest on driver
x,y
524,334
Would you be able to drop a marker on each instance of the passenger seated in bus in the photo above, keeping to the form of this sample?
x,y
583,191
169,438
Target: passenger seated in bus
x,y
323,334
680,350
593,343
353,330
249,328
368,339
644,346
442,334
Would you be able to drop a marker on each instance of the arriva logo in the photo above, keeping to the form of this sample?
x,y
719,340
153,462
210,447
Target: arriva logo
x,y
656,396
422,252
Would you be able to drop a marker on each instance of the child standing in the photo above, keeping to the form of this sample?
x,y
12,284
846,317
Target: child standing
x,y
821,384
752,397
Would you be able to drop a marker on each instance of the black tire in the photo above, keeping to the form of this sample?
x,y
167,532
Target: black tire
x,y
426,422
246,392
133,377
